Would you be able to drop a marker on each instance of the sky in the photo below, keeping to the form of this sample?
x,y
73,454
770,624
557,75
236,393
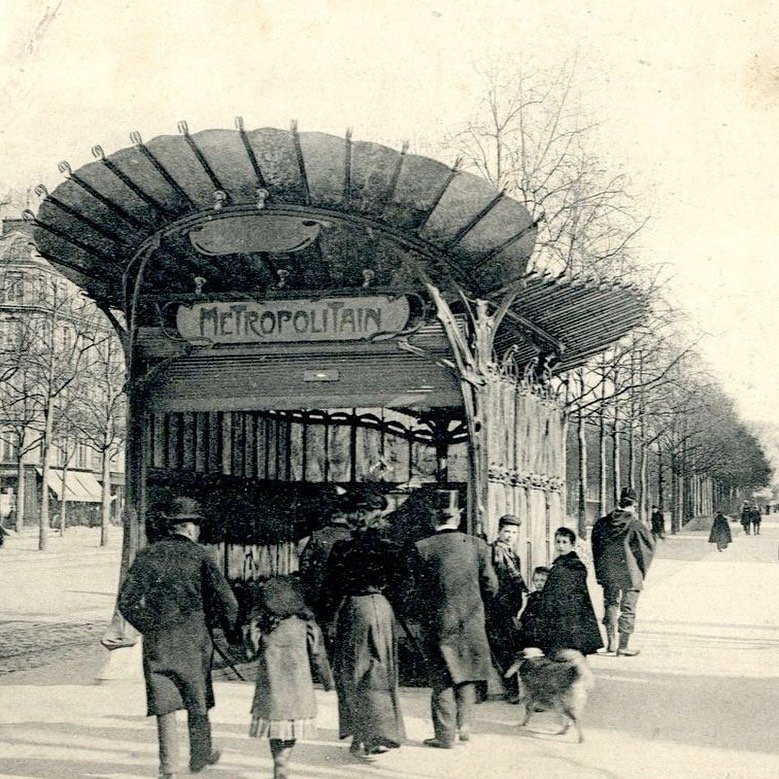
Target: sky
x,y
686,96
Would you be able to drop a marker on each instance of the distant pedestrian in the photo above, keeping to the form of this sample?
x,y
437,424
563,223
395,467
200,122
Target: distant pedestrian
x,y
720,532
454,578
622,551
504,608
756,520
284,638
657,521
173,594
364,574
746,517
565,614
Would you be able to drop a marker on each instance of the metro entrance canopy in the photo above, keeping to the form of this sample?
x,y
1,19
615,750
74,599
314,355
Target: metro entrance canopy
x,y
283,272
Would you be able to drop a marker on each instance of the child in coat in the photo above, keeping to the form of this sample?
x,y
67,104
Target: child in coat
x,y
528,618
565,614
285,639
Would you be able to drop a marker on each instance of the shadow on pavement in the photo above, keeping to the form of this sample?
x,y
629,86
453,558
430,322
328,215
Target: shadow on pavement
x,y
696,710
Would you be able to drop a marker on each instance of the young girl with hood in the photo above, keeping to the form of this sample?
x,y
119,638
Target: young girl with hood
x,y
284,637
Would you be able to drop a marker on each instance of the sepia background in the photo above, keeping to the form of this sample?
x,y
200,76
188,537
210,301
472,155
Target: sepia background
x,y
684,98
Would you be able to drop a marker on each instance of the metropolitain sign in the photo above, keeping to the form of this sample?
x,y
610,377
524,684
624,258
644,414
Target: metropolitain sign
x,y
286,321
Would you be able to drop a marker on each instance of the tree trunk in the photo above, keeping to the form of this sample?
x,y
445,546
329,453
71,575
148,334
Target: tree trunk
x,y
64,493
105,494
643,476
43,524
602,508
616,452
581,437
20,492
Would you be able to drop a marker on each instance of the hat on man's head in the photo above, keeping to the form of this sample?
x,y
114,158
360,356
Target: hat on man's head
x,y
445,502
627,496
509,519
183,510
362,500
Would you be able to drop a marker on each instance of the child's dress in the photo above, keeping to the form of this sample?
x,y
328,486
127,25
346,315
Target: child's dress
x,y
284,705
566,618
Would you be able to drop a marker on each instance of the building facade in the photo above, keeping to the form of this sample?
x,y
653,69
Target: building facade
x,y
48,333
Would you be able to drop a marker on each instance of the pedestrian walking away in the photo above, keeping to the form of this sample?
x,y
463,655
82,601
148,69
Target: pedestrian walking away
x,y
746,517
363,575
284,638
505,607
756,518
720,532
622,550
174,594
313,558
565,614
657,522
454,577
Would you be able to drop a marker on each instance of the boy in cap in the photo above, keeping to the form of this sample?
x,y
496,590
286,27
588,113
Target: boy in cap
x,y
622,550
173,594
506,605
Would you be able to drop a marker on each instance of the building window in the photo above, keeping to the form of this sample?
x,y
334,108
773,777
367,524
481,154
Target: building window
x,y
82,455
13,287
8,448
11,333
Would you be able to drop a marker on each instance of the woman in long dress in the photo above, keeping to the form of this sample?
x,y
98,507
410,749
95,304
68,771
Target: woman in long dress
x,y
362,572
720,532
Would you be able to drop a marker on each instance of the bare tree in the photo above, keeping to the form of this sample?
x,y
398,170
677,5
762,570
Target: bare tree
x,y
527,137
100,414
61,336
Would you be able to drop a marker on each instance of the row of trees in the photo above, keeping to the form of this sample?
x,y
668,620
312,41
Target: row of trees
x,y
61,380
651,393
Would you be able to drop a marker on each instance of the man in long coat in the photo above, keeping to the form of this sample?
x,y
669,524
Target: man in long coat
x,y
622,550
174,594
314,557
454,577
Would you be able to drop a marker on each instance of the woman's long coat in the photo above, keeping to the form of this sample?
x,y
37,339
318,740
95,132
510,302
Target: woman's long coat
x,y
174,594
363,576
720,532
454,577
566,618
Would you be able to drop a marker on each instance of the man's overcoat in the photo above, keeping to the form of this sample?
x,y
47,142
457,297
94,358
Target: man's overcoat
x,y
173,594
622,550
454,578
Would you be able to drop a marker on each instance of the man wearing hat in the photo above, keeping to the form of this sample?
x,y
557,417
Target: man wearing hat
x,y
505,606
454,577
314,557
174,593
622,550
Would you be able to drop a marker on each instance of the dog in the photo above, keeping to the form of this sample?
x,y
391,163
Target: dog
x,y
560,684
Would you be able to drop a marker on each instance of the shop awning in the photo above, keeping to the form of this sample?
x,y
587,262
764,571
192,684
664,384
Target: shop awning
x,y
80,486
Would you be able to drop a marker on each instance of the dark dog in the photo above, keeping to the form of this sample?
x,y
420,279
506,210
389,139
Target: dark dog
x,y
558,684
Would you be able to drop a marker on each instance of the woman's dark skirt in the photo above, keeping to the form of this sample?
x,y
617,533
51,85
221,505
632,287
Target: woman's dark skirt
x,y
366,672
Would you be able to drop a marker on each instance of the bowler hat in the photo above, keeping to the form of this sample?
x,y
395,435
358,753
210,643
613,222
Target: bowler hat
x,y
509,519
362,500
628,495
183,510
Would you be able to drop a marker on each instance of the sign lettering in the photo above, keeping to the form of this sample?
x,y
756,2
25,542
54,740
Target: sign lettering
x,y
286,321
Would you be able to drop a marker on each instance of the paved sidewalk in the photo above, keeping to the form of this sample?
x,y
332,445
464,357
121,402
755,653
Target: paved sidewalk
x,y
700,701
